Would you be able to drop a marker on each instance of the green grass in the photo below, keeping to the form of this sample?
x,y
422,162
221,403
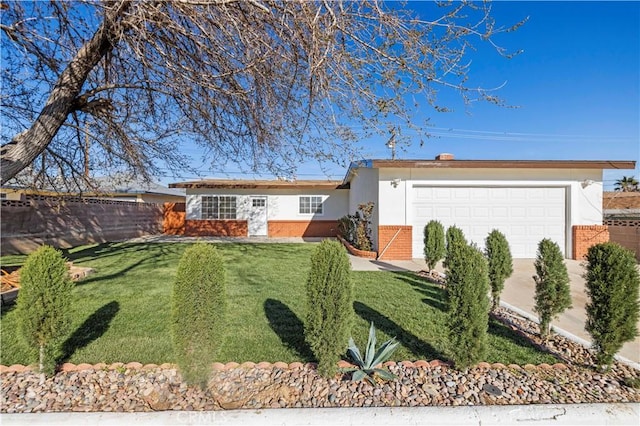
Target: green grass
x,y
121,313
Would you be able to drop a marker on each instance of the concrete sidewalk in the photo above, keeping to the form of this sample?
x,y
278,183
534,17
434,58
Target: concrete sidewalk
x,y
518,294
556,414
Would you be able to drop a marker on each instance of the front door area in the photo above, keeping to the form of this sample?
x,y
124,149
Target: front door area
x,y
258,217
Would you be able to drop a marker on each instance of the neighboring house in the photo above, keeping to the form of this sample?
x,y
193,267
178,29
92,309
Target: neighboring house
x,y
621,205
134,191
527,200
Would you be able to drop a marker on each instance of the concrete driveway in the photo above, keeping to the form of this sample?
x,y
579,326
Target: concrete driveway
x,y
519,293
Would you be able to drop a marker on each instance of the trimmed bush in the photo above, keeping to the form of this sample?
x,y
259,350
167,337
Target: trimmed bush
x,y
500,263
44,304
553,294
329,305
434,245
198,309
455,236
363,226
612,286
467,304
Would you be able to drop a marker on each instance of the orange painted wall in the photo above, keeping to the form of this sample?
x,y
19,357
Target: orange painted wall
x,y
174,218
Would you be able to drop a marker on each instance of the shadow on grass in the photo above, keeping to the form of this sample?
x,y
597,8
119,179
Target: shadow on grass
x,y
434,295
288,327
91,329
499,329
421,349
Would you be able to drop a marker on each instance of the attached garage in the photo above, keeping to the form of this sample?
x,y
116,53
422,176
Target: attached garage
x,y
525,215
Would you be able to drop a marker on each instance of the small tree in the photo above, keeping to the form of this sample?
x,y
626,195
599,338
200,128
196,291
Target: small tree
x,y
434,245
198,308
44,302
454,236
329,305
468,304
612,285
500,263
553,295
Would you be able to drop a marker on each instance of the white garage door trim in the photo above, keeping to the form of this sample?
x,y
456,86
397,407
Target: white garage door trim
x,y
525,214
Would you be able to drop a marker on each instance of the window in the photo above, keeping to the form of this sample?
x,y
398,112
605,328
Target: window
x,y
218,207
258,202
310,205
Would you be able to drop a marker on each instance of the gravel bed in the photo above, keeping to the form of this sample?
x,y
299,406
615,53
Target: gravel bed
x,y
122,389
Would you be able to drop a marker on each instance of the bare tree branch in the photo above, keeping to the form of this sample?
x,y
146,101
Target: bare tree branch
x,y
265,84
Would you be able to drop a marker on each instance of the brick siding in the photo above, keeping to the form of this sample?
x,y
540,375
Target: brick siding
x,y
586,236
401,248
216,228
302,228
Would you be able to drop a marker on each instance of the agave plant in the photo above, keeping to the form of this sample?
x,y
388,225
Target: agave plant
x,y
366,367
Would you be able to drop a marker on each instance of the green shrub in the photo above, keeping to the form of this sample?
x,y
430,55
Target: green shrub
x,y
500,263
363,227
553,294
467,304
455,237
198,309
329,305
434,246
612,286
347,227
44,304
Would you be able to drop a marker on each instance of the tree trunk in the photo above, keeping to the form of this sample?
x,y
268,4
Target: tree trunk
x,y
27,145
41,360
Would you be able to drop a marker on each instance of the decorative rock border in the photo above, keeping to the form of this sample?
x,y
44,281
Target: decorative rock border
x,y
218,366
357,252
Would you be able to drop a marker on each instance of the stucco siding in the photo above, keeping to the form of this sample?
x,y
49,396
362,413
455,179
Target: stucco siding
x,y
281,204
364,188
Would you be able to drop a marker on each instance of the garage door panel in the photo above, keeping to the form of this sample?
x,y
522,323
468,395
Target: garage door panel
x,y
524,215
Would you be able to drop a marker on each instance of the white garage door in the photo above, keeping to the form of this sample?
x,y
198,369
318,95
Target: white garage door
x,y
524,215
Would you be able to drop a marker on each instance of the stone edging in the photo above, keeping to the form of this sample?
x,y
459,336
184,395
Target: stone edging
x,y
357,252
218,366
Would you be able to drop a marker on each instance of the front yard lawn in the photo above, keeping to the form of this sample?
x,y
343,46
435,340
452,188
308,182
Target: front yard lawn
x,y
121,313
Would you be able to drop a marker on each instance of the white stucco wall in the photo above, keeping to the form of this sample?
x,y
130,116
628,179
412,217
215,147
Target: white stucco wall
x,y
282,204
583,206
364,188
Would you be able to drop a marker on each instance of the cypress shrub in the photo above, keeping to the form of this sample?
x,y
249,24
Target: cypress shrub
x,y
329,305
500,263
44,304
198,309
455,236
552,284
467,304
434,246
612,286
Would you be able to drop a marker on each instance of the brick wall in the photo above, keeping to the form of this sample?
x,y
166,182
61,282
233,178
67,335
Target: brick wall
x,y
626,236
585,236
216,228
401,248
174,218
71,221
302,228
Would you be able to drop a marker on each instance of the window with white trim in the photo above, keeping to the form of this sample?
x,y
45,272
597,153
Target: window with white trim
x,y
310,205
218,207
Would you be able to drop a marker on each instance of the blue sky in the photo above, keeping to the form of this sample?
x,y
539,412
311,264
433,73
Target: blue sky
x,y
576,89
